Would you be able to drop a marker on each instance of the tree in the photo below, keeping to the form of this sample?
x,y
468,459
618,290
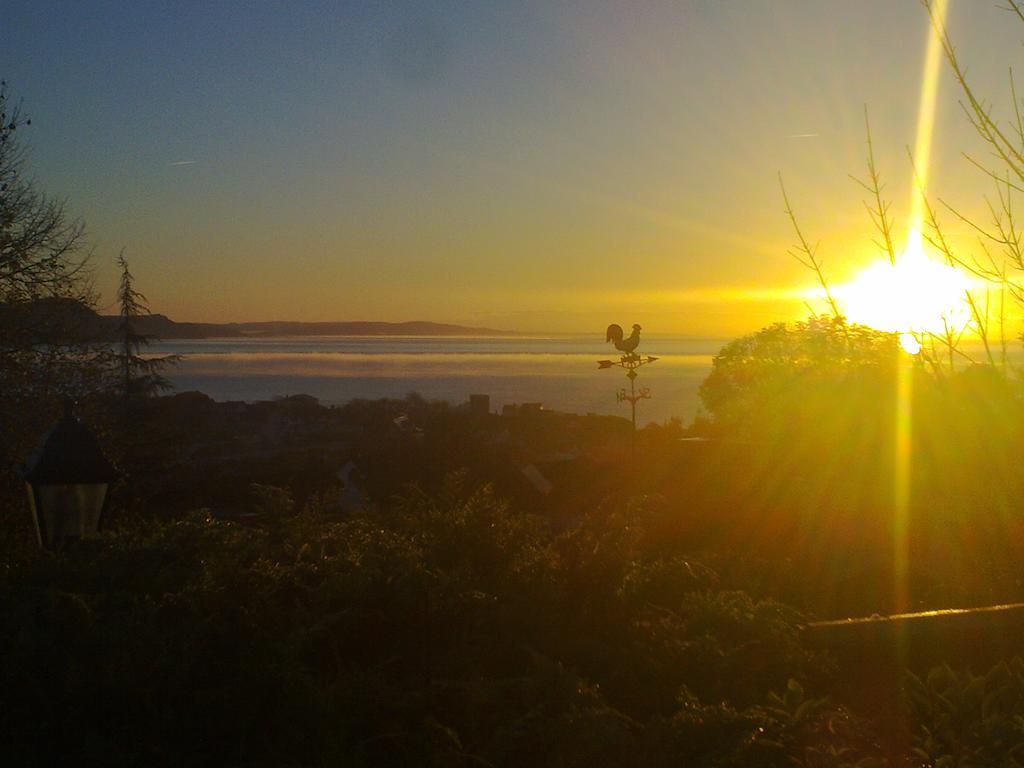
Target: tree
x,y
1001,259
139,375
783,370
49,335
42,250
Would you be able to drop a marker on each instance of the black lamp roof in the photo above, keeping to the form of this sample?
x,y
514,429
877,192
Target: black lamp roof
x,y
71,454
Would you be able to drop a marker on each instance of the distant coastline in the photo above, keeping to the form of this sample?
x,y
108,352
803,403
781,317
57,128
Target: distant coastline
x,y
57,313
161,326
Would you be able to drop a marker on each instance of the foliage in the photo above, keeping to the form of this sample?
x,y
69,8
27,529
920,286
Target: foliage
x,y
448,628
806,418
449,631
967,719
776,368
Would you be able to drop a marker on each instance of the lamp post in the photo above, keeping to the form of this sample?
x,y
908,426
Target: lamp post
x,y
67,482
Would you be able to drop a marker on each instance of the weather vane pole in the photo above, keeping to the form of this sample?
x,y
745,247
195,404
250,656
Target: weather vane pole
x,y
629,361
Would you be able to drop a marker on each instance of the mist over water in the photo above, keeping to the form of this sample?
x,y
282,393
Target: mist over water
x,y
559,372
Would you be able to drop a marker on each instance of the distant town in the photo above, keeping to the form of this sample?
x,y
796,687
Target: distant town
x,y
368,450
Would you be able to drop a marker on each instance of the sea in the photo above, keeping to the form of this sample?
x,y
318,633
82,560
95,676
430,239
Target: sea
x,y
561,373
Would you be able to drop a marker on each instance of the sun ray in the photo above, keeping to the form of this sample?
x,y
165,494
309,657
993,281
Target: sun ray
x,y
931,282
926,117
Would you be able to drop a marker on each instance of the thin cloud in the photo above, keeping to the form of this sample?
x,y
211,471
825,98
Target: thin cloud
x,y
183,162
803,135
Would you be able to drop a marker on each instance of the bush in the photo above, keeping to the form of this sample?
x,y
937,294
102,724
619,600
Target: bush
x,y
450,630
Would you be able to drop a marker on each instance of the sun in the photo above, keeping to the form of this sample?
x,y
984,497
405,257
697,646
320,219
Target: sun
x,y
915,295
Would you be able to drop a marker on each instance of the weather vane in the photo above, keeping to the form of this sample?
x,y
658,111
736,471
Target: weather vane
x,y
630,361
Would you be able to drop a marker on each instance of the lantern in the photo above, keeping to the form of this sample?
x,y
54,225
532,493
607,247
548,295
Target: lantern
x,y
67,482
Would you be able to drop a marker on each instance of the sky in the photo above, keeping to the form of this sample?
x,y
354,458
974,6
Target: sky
x,y
532,166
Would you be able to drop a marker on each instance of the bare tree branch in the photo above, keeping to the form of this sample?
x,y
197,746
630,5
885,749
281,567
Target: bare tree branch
x,y
807,255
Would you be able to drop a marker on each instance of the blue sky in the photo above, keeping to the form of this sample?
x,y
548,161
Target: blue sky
x,y
522,165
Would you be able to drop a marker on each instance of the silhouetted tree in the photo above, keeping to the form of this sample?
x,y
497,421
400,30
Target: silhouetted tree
x,y
139,375
41,249
48,330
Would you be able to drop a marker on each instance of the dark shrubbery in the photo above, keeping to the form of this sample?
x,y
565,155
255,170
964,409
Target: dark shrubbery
x,y
448,631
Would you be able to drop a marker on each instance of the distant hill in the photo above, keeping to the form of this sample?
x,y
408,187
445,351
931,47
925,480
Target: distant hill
x,y
50,320
361,328
55,317
163,327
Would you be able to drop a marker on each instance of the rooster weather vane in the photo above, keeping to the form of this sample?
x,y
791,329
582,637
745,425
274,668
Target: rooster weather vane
x,y
629,361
